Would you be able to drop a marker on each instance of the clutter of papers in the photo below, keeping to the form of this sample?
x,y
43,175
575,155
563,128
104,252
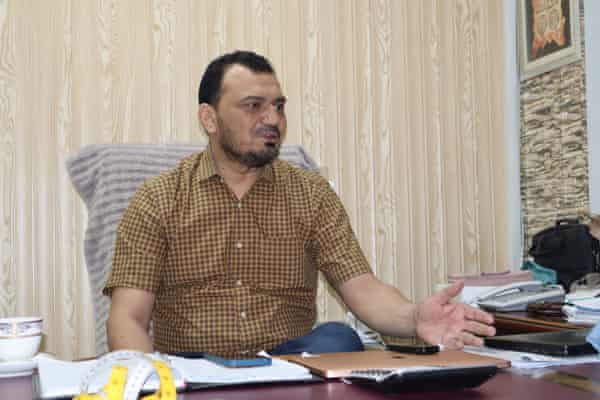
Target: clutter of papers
x,y
583,307
59,378
520,360
492,279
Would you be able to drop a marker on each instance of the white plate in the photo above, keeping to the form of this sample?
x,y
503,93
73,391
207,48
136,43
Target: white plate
x,y
10,369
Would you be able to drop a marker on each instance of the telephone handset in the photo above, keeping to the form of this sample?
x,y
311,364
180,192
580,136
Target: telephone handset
x,y
516,296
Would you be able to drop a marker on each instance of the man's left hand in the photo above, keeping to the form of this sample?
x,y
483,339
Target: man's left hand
x,y
453,325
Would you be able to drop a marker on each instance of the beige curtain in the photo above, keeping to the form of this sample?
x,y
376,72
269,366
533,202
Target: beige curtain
x,y
399,100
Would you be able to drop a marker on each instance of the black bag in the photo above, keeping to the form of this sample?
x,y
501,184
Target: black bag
x,y
569,249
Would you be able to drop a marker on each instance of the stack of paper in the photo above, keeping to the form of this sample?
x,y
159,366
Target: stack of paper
x,y
581,309
63,378
203,371
492,278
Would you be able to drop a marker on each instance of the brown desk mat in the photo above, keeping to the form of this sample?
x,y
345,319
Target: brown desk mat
x,y
337,365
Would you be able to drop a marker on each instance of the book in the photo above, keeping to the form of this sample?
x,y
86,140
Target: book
x,y
59,379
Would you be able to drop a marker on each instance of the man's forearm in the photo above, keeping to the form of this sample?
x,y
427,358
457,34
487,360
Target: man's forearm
x,y
380,306
395,316
128,334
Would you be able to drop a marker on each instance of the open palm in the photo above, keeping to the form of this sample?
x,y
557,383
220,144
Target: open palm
x,y
452,325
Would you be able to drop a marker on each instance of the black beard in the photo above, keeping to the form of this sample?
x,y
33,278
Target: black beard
x,y
250,159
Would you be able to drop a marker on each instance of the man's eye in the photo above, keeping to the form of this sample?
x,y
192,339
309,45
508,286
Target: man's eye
x,y
280,107
253,106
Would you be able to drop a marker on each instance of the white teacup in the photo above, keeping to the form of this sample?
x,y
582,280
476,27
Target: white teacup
x,y
19,348
20,338
20,326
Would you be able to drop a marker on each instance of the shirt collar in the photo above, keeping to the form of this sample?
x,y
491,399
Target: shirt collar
x,y
208,169
268,173
206,166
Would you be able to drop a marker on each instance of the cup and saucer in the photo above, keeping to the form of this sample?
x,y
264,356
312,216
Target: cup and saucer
x,y
20,339
12,369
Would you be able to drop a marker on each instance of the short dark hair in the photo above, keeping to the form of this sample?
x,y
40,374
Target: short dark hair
x,y
210,85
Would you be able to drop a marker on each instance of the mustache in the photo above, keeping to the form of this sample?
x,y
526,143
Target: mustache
x,y
268,129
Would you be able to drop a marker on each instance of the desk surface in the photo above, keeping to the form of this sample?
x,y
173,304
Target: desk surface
x,y
504,385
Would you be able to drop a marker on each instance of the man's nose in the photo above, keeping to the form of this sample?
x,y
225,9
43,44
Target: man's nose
x,y
271,116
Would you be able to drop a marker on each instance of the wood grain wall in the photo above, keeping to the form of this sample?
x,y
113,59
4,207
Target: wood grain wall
x,y
400,100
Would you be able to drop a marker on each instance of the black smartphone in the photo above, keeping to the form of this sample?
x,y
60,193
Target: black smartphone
x,y
412,346
241,362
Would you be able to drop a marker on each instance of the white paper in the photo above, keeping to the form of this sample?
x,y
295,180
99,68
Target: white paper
x,y
582,312
63,378
522,360
203,371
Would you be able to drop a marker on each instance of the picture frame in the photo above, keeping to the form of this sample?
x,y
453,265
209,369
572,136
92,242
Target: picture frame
x,y
549,35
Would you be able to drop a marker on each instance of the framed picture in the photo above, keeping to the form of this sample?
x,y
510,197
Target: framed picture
x,y
549,35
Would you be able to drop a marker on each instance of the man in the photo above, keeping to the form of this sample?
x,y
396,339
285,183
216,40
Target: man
x,y
222,252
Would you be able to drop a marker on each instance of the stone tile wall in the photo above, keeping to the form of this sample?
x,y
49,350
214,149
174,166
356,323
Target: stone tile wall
x,y
554,177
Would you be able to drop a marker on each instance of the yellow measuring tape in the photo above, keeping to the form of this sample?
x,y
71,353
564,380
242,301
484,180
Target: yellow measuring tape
x,y
166,391
115,388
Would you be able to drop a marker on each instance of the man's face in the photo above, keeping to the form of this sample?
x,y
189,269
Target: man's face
x,y
251,122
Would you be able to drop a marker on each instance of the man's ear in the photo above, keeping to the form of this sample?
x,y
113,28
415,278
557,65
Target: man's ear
x,y
207,117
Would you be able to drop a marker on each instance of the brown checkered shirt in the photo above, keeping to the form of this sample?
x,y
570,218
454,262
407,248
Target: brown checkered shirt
x,y
233,276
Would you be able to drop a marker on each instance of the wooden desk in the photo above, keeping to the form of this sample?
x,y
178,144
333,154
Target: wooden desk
x,y
505,385
523,322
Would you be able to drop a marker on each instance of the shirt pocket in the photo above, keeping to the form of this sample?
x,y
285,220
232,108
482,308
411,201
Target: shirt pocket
x,y
281,254
198,249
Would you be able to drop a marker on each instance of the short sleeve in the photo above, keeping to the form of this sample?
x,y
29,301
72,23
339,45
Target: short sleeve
x,y
140,247
338,252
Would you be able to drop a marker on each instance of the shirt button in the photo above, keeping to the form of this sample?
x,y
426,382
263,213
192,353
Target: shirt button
x,y
239,283
238,245
243,314
239,205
